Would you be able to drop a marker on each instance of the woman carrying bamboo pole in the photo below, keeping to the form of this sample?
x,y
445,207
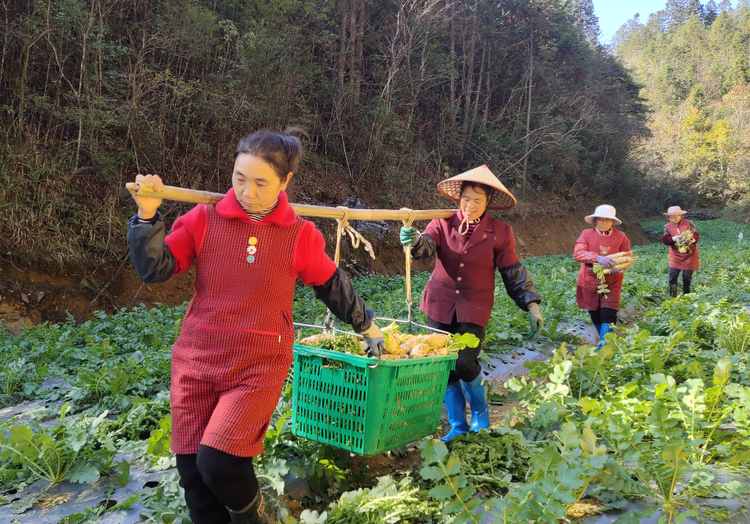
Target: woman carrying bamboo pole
x,y
471,246
593,246
235,345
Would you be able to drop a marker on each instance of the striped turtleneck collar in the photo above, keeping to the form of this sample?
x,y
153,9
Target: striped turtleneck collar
x,y
257,217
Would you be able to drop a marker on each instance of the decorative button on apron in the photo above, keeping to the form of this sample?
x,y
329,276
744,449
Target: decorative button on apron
x,y
251,249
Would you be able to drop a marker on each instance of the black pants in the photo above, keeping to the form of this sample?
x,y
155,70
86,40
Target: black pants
x,y
603,315
687,278
214,481
467,365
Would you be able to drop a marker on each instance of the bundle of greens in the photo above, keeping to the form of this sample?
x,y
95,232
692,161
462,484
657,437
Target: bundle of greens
x,y
684,240
341,343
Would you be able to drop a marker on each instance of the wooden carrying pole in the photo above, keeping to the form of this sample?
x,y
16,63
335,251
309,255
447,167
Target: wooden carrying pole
x,y
195,196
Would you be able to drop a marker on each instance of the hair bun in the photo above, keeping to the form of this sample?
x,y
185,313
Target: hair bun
x,y
295,131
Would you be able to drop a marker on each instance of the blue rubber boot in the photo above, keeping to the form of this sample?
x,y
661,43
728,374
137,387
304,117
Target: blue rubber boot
x,y
456,404
603,330
598,328
480,408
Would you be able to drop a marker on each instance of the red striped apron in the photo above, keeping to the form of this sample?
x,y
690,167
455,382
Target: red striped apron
x,y
235,346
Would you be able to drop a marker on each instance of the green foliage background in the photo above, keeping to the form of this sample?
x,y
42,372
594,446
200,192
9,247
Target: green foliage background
x,y
693,63
394,95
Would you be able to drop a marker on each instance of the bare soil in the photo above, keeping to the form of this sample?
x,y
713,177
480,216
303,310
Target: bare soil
x,y
29,295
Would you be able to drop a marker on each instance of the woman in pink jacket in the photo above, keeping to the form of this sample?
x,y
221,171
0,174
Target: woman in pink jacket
x,y
593,246
471,247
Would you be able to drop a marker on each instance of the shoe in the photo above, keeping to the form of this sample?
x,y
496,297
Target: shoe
x,y
480,408
603,330
252,514
456,404
399,451
673,290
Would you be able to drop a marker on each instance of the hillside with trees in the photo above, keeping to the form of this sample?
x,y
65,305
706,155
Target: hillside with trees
x,y
693,63
395,95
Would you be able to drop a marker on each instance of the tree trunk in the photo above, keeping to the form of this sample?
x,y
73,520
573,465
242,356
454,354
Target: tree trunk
x,y
453,64
423,62
6,31
469,84
475,110
342,44
21,101
80,85
528,113
486,115
358,60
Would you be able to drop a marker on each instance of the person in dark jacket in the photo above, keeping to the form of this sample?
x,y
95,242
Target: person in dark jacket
x,y
681,235
235,345
459,296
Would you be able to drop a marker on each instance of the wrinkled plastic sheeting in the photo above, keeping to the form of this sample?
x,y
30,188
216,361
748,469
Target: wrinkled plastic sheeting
x,y
83,496
503,367
27,411
733,505
581,329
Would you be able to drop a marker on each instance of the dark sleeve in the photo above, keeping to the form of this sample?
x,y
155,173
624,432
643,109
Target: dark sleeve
x,y
151,257
666,239
424,247
519,286
339,295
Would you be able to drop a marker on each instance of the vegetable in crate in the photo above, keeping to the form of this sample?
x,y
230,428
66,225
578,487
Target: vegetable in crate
x,y
681,235
341,343
411,346
473,247
604,253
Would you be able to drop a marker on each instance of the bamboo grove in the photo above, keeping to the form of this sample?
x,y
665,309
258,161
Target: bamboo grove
x,y
394,96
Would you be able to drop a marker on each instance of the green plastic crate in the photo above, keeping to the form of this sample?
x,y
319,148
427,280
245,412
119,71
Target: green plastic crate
x,y
340,401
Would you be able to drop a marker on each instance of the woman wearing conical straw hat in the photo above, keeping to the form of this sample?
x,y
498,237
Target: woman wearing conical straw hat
x,y
593,246
459,296
681,235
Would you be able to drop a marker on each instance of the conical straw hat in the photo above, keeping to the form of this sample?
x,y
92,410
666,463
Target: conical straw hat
x,y
501,197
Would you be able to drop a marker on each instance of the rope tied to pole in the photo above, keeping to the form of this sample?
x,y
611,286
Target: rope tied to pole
x,y
407,263
355,237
